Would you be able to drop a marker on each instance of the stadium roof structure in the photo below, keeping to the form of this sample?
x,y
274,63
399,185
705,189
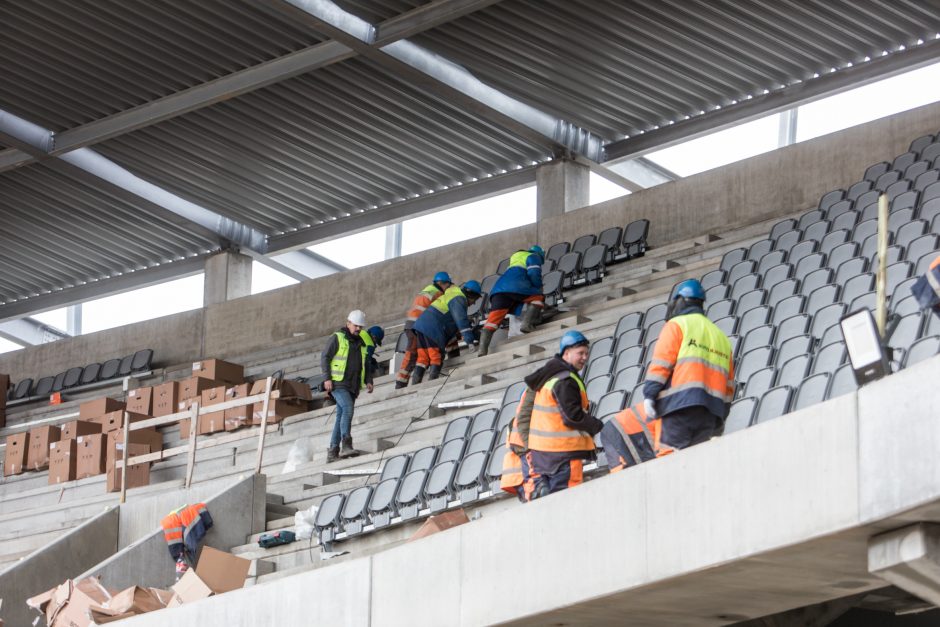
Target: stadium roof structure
x,y
138,137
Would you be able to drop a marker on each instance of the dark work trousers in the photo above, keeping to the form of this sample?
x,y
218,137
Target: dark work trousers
x,y
689,426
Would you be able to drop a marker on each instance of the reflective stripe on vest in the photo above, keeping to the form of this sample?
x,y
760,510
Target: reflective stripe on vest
x,y
704,359
338,363
547,431
442,304
422,301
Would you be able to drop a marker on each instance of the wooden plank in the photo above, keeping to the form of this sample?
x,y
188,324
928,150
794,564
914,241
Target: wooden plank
x,y
193,430
183,415
264,423
127,439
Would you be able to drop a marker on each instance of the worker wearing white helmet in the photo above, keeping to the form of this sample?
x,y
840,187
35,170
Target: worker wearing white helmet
x,y
344,360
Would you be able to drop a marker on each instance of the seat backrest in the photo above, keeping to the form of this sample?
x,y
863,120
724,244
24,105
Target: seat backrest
x,y
926,179
569,263
329,511
772,259
907,331
629,356
753,319
787,307
654,313
652,331
920,143
594,257
383,496
141,360
470,471
782,289
583,243
451,450
750,300
897,272
503,265
842,253
845,221
611,403
812,390
830,198
632,320
44,386
759,248
513,393
423,459
109,369
759,336
555,251
909,232
808,263
601,365
741,415
929,192
907,199
440,480
481,441
896,189
597,387
551,283
124,368
456,429
816,279
792,327
865,229
506,414
825,317
922,349
842,382
732,257
394,468
857,189
401,345
713,278
783,226
90,373
887,179
720,308
603,346
921,246
630,337
740,269
905,306
821,297
849,268
875,170
482,421
811,216
838,208
773,404
832,239
816,230
902,161
914,170
411,487
759,382
494,465
752,361
794,370
356,503
793,347
856,286
745,283
72,377
776,275
787,240
22,389
634,236
611,238
627,378
727,324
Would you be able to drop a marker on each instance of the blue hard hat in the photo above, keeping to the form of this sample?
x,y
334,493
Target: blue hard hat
x,y
472,286
442,277
537,250
689,289
377,333
571,338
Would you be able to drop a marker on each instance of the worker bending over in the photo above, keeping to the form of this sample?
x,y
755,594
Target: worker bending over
x,y
561,430
631,438
519,286
443,320
422,301
927,288
690,379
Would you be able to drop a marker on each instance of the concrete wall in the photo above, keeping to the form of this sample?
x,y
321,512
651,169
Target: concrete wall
x,y
237,511
764,520
765,186
76,551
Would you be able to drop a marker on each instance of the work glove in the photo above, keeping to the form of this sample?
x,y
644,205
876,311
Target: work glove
x,y
650,406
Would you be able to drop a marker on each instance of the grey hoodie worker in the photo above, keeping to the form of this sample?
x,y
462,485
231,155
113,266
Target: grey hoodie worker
x,y
345,360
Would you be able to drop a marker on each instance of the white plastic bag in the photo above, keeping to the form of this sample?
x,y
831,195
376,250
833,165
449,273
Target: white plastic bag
x,y
303,523
300,453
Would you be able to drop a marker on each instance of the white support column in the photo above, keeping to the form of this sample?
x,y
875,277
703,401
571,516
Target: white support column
x,y
73,319
393,240
786,134
562,186
228,276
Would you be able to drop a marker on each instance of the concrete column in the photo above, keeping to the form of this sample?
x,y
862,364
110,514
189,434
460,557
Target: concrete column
x,y
73,319
393,241
561,186
909,558
228,276
786,130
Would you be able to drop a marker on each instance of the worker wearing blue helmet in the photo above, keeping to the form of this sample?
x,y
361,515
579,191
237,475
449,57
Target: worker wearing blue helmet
x,y
422,301
519,288
561,428
443,320
690,379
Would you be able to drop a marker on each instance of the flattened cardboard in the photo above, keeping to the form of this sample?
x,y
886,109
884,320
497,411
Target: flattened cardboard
x,y
89,410
165,398
140,401
440,522
62,458
39,439
222,571
219,370
14,460
75,428
90,457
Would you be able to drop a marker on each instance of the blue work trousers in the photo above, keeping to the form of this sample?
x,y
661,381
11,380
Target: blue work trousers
x,y
345,405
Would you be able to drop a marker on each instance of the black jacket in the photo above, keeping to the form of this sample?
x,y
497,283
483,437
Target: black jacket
x,y
568,395
354,363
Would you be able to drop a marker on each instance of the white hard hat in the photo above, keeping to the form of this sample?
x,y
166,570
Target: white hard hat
x,y
357,317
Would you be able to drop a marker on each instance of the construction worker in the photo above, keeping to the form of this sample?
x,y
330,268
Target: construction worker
x,y
690,379
520,286
927,288
345,360
422,301
630,438
444,319
517,476
372,337
561,430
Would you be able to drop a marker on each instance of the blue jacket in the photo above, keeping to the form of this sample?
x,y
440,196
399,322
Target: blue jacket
x,y
524,275
927,288
446,317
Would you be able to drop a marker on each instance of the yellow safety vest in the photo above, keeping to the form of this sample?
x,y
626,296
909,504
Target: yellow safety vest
x,y
338,364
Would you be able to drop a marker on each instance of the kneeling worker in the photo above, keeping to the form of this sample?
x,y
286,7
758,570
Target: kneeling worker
x,y
690,379
520,285
927,288
443,320
420,304
631,438
561,431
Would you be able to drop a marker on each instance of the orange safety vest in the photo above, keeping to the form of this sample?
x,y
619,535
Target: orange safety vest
x,y
547,431
512,477
422,301
178,524
633,421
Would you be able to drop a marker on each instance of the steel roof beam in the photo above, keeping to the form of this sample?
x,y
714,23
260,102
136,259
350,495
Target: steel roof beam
x,y
389,214
446,79
243,81
844,79
30,332
302,264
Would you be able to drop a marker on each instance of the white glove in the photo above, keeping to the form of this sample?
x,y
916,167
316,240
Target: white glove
x,y
650,406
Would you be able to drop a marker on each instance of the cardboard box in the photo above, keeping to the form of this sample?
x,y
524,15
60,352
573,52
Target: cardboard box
x,y
90,456
278,410
14,460
237,417
140,401
150,436
165,398
39,439
89,410
114,421
212,422
194,387
216,573
75,428
130,602
85,602
219,370
440,522
287,389
137,474
62,457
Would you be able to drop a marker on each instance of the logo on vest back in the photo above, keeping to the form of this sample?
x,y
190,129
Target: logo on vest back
x,y
693,344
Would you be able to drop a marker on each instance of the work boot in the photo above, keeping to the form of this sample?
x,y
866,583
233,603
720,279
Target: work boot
x,y
347,450
332,454
434,372
530,317
486,336
417,375
401,384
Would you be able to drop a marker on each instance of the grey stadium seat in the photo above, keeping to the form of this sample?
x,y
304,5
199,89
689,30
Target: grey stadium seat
x,y
783,290
633,320
926,179
922,349
856,286
910,232
926,244
842,253
627,378
494,466
929,210
808,263
896,190
816,230
551,287
887,179
759,382
920,143
826,317
905,306
783,226
838,209
792,327
914,170
897,272
513,393
811,391
423,459
787,240
864,229
483,421
759,248
503,266
634,238
72,377
394,468
775,276
750,300
717,292
382,502
793,347
456,429
830,198
408,501
842,382
740,269
602,365
821,297
770,260
451,450
909,198
906,332
773,404
720,308
752,361
875,170
654,313
832,335
90,374
757,337
506,414
556,251
741,415
857,189
894,254
597,387
652,331
439,485
355,510
814,215
793,371
832,239
753,319
603,346
470,479
611,238
845,221
744,284
732,257
630,337
849,268
816,279
592,264
328,517
630,356
481,441
610,403
728,324
715,277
